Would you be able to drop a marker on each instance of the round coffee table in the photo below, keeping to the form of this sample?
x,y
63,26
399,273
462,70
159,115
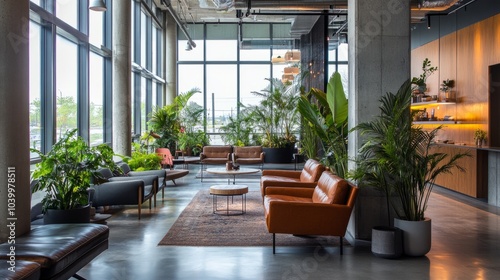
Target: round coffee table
x,y
229,191
223,171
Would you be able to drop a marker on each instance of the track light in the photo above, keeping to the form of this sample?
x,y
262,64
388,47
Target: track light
x,y
97,5
188,46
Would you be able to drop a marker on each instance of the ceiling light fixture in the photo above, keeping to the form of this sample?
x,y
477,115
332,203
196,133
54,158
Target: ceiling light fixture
x,y
97,5
189,47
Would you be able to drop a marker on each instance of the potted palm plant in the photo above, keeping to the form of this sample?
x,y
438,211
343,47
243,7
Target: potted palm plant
x,y
276,116
65,173
399,159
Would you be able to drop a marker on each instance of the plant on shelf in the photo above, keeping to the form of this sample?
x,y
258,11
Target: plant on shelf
x,y
398,158
479,137
427,70
328,118
447,85
65,172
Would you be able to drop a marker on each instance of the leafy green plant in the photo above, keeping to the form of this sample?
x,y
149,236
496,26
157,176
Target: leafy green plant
x,y
396,157
193,141
65,172
141,160
166,121
328,117
237,131
479,134
427,70
447,85
276,115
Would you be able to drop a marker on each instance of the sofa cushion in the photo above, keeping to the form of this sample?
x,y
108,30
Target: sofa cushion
x,y
217,151
312,171
248,152
331,189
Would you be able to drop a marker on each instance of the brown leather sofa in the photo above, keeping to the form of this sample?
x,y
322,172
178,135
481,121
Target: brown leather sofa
x,y
249,155
306,178
323,210
214,155
55,251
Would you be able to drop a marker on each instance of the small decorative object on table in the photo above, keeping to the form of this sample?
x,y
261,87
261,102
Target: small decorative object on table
x,y
480,137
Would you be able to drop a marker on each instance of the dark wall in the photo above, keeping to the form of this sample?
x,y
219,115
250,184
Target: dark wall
x,y
314,56
445,24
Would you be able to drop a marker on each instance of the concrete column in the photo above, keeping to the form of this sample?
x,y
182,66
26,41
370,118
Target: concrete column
x,y
15,196
379,61
170,60
122,74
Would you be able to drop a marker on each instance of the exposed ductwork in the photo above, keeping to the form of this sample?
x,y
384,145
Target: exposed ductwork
x,y
421,5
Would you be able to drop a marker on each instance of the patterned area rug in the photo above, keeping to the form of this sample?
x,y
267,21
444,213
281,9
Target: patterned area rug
x,y
198,226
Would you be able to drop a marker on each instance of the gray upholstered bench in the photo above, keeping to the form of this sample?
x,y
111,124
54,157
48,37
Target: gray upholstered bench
x,y
60,249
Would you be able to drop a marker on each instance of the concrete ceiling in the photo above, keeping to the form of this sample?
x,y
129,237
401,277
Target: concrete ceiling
x,y
299,13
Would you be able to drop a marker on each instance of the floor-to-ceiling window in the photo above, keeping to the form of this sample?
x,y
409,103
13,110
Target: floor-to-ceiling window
x,y
147,81
230,62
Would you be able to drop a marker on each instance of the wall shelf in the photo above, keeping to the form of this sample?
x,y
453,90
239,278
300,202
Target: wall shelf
x,y
430,103
437,122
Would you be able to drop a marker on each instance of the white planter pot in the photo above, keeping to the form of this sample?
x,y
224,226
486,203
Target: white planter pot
x,y
416,236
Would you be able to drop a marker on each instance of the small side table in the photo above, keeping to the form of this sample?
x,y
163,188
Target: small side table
x,y
229,191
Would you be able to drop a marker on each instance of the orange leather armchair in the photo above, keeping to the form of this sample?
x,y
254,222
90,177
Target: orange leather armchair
x,y
323,210
307,178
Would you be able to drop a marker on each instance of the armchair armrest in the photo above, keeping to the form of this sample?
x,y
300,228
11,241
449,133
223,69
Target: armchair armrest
x,y
262,155
202,156
147,179
283,173
308,218
159,173
117,193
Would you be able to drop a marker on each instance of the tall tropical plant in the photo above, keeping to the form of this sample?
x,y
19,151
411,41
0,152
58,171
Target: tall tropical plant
x,y
328,117
398,157
166,121
276,115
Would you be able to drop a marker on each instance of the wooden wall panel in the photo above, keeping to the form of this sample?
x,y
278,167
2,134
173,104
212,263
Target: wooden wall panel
x,y
475,48
464,55
472,181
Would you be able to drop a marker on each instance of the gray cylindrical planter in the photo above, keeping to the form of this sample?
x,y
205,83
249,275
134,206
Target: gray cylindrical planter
x,y
416,236
387,242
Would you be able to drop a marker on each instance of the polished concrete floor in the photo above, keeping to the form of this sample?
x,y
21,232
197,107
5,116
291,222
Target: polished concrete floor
x,y
465,245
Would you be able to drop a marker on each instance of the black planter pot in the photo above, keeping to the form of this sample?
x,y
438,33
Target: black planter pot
x,y
70,216
278,155
387,242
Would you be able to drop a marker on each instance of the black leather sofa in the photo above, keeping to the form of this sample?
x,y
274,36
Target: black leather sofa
x,y
54,251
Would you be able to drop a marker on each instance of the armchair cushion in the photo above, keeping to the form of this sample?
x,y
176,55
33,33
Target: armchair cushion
x,y
306,178
330,190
